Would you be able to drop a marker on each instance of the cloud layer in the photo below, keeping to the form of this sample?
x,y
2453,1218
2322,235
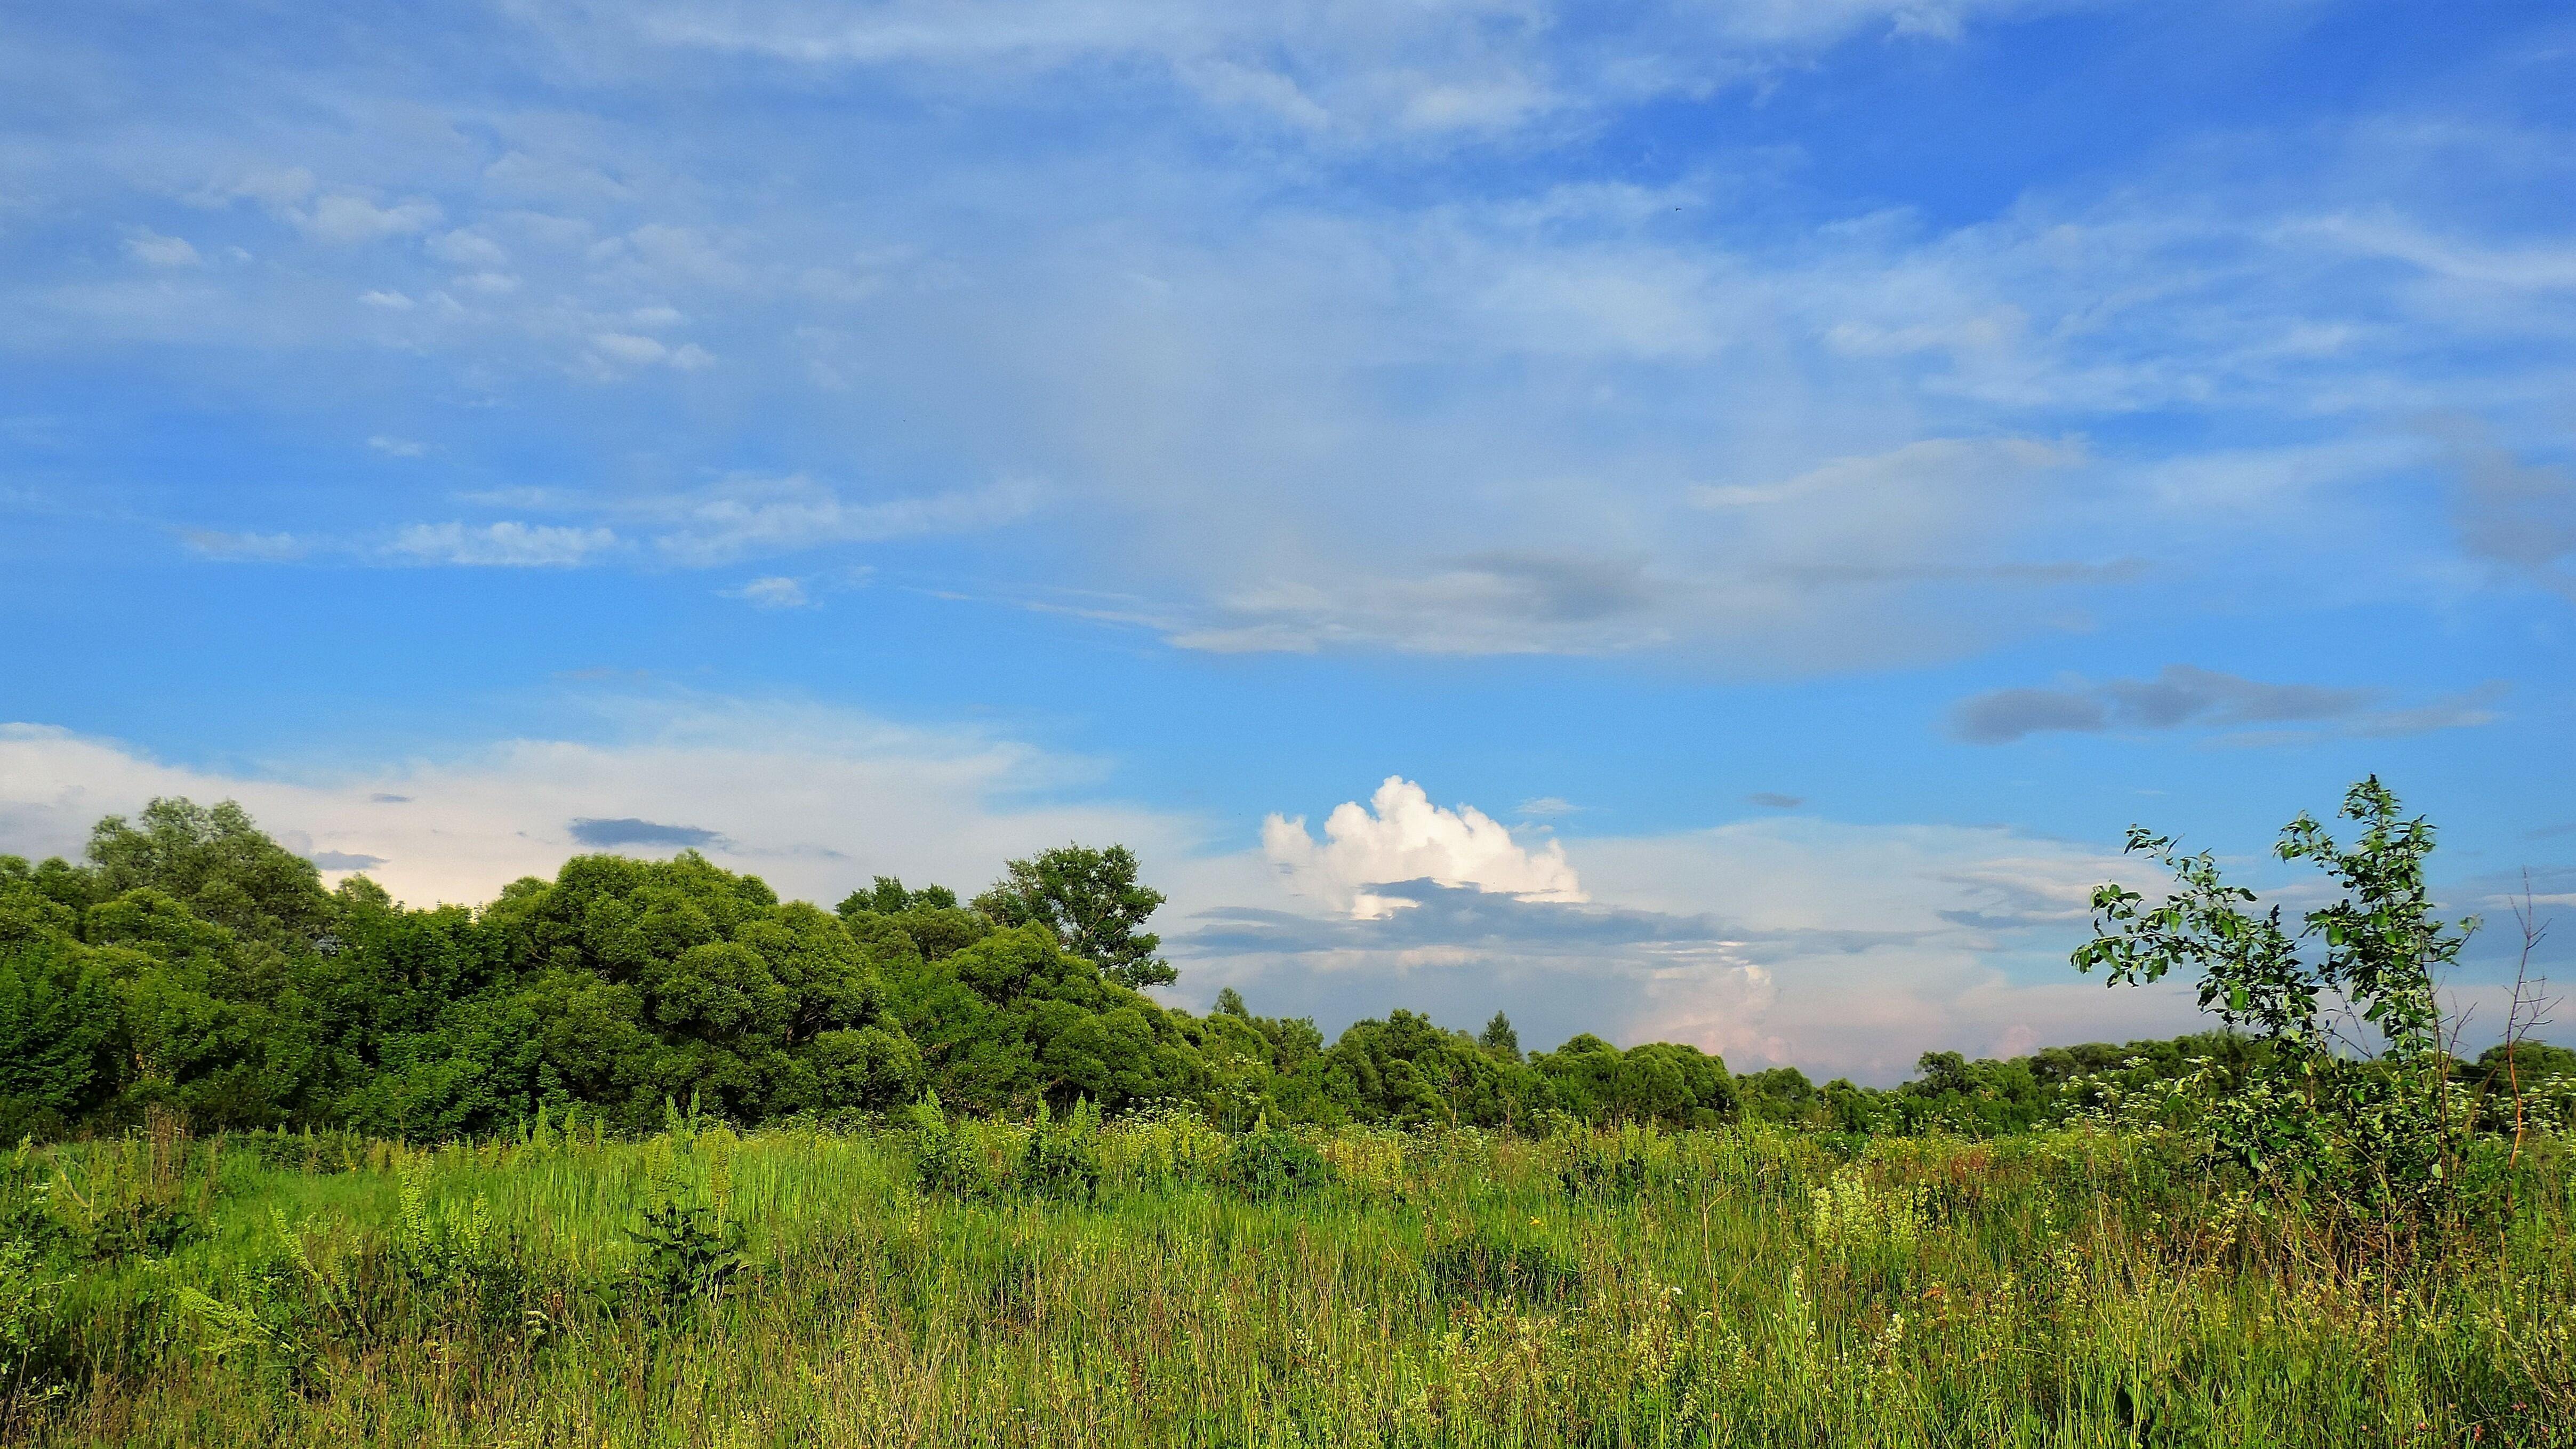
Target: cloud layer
x,y
1309,328
2186,696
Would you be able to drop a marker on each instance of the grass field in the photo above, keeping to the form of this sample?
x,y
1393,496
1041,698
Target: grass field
x,y
1156,1282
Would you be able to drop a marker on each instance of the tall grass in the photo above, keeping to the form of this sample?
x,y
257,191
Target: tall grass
x,y
2082,1287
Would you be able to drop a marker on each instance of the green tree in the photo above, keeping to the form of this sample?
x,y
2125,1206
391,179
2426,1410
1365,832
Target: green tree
x,y
1092,902
2380,1134
60,1026
218,864
1499,1038
887,897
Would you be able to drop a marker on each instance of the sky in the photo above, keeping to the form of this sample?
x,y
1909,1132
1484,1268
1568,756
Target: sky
x,y
1701,520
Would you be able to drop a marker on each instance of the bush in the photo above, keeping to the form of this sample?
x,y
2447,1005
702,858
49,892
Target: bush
x,y
692,1246
1063,1157
1273,1166
951,1159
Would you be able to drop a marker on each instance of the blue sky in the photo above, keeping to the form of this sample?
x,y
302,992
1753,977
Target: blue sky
x,y
1805,476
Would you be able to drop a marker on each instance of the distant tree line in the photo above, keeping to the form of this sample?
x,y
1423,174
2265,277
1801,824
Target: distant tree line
x,y
193,963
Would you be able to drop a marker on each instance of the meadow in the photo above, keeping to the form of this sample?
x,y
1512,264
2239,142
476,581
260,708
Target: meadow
x,y
1156,1281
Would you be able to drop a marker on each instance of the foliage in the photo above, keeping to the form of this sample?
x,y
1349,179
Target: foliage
x,y
1092,902
949,1158
1268,1165
691,1243
194,969
1062,1160
2382,1135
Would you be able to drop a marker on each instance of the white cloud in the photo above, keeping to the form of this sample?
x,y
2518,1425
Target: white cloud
x,y
345,217
1401,836
468,248
1317,67
398,447
772,593
246,547
155,250
816,802
748,515
635,350
1839,948
507,544
276,188
1289,410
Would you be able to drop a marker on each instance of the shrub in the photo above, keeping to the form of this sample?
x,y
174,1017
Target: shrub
x,y
1063,1157
949,1158
1268,1165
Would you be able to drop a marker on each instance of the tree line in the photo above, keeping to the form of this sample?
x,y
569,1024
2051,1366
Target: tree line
x,y
190,962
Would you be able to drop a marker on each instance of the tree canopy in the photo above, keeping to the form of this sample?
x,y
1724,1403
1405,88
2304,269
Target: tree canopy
x,y
1093,904
194,964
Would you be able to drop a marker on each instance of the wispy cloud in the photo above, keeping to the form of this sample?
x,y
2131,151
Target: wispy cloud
x,y
507,544
776,592
246,547
745,516
155,250
1477,67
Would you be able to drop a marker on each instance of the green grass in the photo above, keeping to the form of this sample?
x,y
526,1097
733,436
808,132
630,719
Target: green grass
x,y
1736,1287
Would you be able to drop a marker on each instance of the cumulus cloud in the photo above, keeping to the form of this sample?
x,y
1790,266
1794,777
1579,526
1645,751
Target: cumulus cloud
x,y
2183,695
1840,948
507,544
1401,836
